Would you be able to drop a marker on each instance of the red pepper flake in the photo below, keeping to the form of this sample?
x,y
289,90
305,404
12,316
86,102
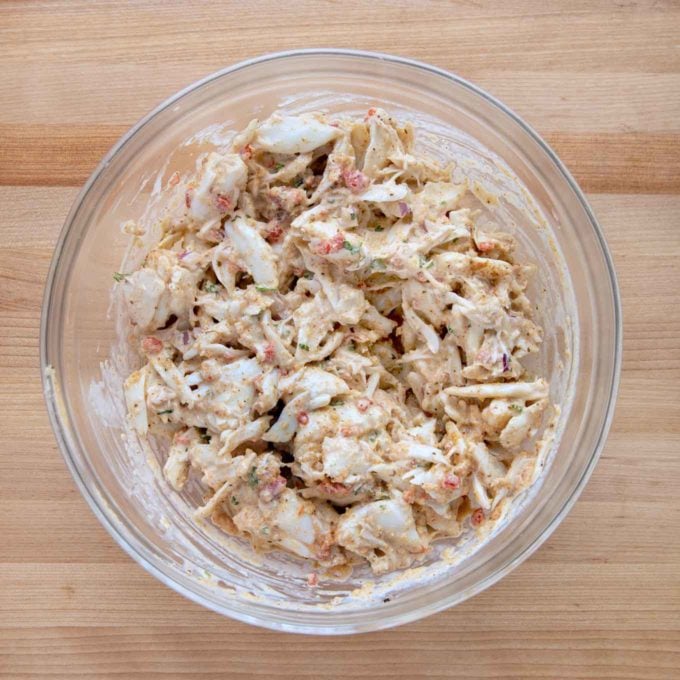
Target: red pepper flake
x,y
485,246
477,517
302,418
371,112
312,580
275,233
269,353
363,404
174,179
355,180
188,198
223,203
332,245
246,152
151,345
451,481
334,488
337,242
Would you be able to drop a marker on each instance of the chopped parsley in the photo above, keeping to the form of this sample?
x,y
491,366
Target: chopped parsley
x,y
377,227
163,413
264,289
303,345
253,481
298,182
307,274
265,530
424,262
517,408
210,287
234,500
278,166
347,245
117,276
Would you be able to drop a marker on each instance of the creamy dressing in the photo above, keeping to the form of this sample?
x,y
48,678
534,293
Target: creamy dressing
x,y
333,345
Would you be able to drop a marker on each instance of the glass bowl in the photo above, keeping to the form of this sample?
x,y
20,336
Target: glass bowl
x,y
84,358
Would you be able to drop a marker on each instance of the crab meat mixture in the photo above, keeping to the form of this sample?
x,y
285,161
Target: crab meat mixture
x,y
332,345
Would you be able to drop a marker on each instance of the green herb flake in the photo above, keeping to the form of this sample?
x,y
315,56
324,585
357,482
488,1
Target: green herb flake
x,y
278,166
265,289
307,274
265,531
424,262
298,182
234,500
253,481
164,413
210,287
377,227
378,263
353,215
517,408
351,247
304,346
117,276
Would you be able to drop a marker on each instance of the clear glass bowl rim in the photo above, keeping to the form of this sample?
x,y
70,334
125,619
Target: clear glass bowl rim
x,y
57,415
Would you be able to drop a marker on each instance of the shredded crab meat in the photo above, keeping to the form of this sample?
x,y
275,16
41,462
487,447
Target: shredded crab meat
x,y
333,345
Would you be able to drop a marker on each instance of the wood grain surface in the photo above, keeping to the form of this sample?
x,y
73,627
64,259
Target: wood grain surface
x,y
601,81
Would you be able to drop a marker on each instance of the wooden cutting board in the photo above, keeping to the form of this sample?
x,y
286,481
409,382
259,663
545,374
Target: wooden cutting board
x,y
601,81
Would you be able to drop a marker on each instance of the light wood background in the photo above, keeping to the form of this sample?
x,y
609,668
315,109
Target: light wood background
x,y
601,81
